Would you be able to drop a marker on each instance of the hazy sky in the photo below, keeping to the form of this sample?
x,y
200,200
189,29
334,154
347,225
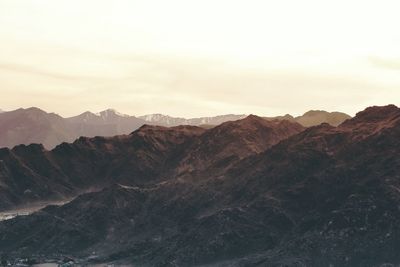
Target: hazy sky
x,y
198,58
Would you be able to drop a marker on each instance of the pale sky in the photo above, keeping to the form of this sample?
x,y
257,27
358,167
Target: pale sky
x,y
199,58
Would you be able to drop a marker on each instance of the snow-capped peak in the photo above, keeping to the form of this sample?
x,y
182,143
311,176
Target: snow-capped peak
x,y
111,112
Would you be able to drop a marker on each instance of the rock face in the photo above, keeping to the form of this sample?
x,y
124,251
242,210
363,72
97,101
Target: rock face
x,y
282,196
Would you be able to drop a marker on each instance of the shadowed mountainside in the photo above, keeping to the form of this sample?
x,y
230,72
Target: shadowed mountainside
x,y
151,153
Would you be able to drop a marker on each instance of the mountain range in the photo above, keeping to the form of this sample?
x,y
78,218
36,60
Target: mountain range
x,y
32,125
250,192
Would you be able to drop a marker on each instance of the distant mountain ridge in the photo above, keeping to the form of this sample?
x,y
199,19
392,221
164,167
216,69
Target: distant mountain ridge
x,y
33,125
166,120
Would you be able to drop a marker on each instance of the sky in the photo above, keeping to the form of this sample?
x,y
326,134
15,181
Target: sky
x,y
192,58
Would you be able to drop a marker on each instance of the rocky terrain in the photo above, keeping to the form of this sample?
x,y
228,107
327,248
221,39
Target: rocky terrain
x,y
246,193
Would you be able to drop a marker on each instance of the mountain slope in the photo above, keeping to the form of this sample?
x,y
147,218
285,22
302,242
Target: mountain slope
x,y
107,123
32,125
166,120
148,155
308,119
325,196
316,117
232,141
31,173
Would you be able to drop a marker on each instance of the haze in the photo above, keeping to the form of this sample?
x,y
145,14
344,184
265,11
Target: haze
x,y
199,58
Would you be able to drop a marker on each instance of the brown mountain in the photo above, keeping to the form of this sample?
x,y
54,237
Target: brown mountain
x,y
151,153
32,125
325,196
31,173
165,120
232,141
107,123
316,117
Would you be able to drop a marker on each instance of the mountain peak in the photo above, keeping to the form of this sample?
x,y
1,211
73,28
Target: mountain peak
x,y
316,117
378,112
88,114
33,110
375,114
111,113
253,117
148,127
315,112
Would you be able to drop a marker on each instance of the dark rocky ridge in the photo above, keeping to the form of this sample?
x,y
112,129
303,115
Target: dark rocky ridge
x,y
327,196
31,173
148,155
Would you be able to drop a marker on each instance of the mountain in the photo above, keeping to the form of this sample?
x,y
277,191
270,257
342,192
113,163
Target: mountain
x,y
32,125
316,117
1,111
165,120
232,141
31,174
106,123
151,153
322,196
308,119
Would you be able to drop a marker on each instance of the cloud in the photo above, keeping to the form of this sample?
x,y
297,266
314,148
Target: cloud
x,y
180,86
207,81
7,67
393,64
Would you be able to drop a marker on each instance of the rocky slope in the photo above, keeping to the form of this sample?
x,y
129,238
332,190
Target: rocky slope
x,y
149,154
31,173
230,142
325,196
